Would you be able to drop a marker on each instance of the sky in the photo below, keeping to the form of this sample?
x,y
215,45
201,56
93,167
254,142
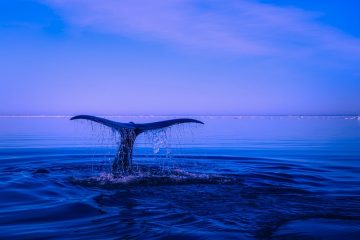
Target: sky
x,y
179,57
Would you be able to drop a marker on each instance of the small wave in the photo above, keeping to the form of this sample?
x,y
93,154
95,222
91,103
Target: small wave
x,y
57,212
319,228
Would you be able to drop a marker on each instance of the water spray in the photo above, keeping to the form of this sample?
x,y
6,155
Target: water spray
x,y
128,133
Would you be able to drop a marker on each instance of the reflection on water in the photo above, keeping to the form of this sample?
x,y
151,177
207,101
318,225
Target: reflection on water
x,y
234,177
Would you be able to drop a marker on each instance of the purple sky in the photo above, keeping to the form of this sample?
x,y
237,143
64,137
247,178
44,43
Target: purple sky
x,y
200,57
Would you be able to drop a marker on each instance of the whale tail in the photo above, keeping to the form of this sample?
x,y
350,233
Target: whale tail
x,y
128,133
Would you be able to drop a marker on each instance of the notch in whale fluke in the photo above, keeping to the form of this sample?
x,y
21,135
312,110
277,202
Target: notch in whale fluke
x,y
128,133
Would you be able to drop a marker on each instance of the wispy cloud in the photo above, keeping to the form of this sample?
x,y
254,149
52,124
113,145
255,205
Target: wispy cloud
x,y
234,26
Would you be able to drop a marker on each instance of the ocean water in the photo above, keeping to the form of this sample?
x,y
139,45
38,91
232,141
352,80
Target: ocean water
x,y
232,178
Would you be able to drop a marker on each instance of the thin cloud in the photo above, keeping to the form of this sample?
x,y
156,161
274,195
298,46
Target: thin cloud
x,y
238,27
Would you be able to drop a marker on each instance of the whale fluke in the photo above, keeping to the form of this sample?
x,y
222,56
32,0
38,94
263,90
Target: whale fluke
x,y
128,133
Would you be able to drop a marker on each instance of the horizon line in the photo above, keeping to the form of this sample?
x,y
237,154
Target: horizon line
x,y
190,115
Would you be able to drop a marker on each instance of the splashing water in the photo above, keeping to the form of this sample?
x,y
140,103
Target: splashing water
x,y
164,169
152,176
160,160
159,139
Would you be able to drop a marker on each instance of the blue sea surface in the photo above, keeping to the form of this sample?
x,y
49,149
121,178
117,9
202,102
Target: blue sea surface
x,y
238,177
